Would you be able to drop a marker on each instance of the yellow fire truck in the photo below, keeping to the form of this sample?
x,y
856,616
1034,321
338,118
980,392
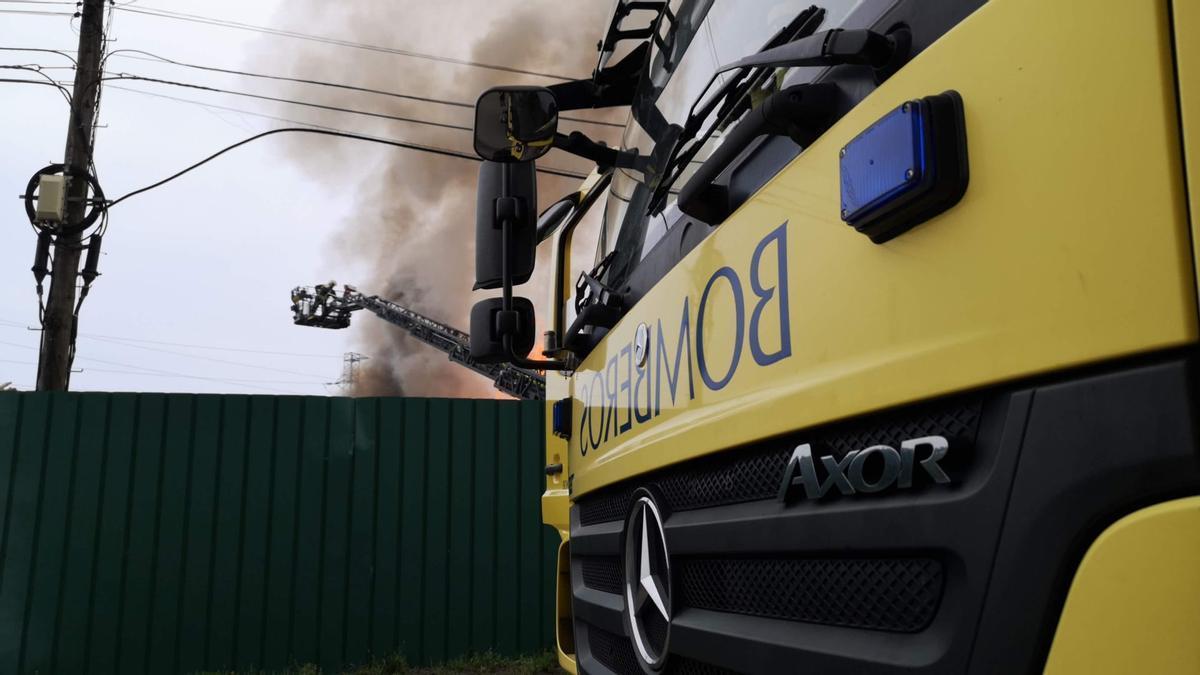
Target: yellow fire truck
x,y
884,355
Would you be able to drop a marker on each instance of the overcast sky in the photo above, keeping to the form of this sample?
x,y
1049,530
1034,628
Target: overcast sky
x,y
205,261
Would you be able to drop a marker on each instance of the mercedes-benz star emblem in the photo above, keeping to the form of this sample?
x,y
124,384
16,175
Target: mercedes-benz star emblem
x,y
647,583
641,345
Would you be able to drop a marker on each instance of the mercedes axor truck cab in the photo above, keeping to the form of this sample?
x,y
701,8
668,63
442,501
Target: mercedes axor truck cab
x,y
872,346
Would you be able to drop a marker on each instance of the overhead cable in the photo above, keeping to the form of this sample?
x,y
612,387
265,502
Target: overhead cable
x,y
155,58
40,49
58,86
553,171
325,132
16,325
35,12
241,111
157,372
196,18
186,345
212,359
36,69
307,104
238,381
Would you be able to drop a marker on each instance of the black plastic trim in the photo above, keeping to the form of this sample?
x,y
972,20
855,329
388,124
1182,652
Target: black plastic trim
x,y
1096,449
958,525
1054,463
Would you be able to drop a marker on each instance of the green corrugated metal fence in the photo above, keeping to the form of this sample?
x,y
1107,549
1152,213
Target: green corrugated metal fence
x,y
147,533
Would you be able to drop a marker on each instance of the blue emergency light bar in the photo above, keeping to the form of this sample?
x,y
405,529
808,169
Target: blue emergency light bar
x,y
906,168
883,162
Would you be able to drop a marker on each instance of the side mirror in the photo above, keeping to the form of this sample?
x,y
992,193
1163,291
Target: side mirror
x,y
515,124
490,324
506,191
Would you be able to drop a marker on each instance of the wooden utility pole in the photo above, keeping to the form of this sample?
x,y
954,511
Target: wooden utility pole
x,y
58,325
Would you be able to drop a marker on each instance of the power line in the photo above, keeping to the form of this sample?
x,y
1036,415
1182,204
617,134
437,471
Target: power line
x,y
18,345
49,80
324,132
240,364
169,373
307,104
122,338
243,111
213,347
249,384
61,89
195,18
55,84
312,129
155,58
288,120
35,12
240,381
154,372
39,49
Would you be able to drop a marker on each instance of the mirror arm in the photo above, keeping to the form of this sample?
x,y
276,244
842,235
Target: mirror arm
x,y
532,364
578,144
507,317
594,316
611,87
562,249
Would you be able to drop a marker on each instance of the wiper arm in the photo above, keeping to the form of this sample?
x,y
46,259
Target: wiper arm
x,y
801,112
801,27
727,98
884,53
834,47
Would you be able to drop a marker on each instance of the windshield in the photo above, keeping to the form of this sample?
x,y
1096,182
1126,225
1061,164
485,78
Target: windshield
x,y
704,35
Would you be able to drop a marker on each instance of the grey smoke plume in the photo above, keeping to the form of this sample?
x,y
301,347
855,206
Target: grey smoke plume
x,y
414,226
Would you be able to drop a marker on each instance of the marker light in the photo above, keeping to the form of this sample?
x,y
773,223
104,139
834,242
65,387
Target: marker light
x,y
905,168
560,418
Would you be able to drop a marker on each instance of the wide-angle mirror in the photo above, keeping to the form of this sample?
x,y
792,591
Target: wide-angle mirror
x,y
515,124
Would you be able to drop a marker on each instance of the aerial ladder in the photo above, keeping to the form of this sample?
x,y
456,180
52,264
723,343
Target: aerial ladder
x,y
322,306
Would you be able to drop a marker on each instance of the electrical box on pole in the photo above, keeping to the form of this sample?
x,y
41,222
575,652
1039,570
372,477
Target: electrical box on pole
x,y
52,198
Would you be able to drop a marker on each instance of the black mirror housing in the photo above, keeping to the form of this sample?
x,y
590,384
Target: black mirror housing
x,y
494,202
515,124
490,323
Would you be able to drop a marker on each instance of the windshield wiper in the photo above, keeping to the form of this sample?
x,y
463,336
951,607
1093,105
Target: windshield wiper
x,y
883,53
801,112
728,99
831,48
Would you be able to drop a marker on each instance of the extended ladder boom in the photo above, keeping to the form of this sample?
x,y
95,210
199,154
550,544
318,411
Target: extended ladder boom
x,y
324,307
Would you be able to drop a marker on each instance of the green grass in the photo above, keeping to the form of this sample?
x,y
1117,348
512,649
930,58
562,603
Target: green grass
x,y
486,663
